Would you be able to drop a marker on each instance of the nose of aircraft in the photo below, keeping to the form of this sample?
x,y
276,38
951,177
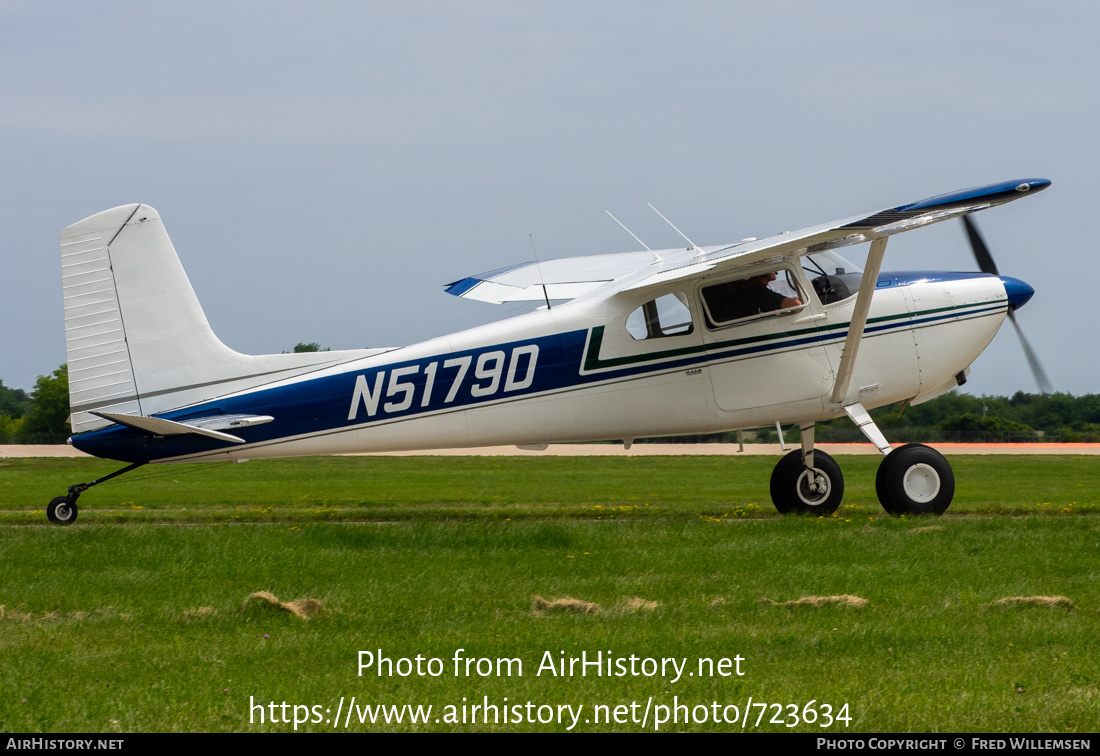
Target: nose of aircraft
x,y
1018,292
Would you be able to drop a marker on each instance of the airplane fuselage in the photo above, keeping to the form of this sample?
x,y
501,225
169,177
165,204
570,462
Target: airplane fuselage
x,y
575,373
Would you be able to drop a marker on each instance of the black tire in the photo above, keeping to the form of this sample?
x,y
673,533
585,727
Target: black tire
x,y
62,511
790,485
915,480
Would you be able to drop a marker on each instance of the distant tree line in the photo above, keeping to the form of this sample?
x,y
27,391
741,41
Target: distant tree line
x,y
956,417
992,419
42,417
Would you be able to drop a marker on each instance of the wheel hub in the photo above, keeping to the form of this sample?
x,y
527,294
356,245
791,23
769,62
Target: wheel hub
x,y
922,483
813,487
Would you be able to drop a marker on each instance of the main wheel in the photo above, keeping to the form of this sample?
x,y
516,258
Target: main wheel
x,y
796,491
915,479
62,510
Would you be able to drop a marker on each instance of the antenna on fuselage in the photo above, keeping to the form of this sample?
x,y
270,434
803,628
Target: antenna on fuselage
x,y
656,256
538,267
681,233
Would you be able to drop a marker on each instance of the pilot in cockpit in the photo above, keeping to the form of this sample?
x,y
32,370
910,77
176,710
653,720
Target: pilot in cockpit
x,y
752,296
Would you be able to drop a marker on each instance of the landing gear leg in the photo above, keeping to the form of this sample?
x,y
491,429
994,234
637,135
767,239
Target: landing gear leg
x,y
807,481
63,509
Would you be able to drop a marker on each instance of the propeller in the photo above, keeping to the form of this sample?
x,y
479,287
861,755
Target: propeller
x,y
986,265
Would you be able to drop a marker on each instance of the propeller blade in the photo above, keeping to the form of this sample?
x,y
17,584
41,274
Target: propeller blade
x,y
977,245
986,265
1032,360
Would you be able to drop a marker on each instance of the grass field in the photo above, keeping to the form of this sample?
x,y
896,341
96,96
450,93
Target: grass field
x,y
131,619
366,488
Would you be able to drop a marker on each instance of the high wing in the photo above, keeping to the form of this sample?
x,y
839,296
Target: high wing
x,y
572,277
563,278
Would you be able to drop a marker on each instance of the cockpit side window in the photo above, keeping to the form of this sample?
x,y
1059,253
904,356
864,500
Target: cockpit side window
x,y
767,293
664,316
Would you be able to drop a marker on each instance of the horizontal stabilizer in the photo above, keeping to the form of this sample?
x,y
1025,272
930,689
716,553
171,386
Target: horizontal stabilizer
x,y
205,426
226,422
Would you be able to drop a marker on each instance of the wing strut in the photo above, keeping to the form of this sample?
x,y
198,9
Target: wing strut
x,y
859,320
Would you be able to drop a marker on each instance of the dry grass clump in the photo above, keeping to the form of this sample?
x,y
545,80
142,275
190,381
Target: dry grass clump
x,y
564,604
818,601
715,603
1050,601
77,614
927,529
303,608
568,604
14,614
202,611
637,605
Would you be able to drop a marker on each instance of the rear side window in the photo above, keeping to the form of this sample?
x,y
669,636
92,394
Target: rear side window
x,y
665,316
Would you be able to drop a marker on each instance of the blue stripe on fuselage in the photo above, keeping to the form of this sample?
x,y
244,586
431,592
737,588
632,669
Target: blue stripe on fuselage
x,y
387,392
397,390
910,277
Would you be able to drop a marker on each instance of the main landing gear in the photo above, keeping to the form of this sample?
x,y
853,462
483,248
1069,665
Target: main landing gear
x,y
807,482
63,510
912,479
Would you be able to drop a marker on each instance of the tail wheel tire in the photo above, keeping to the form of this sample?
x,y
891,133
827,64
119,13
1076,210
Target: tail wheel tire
x,y
915,480
795,490
62,510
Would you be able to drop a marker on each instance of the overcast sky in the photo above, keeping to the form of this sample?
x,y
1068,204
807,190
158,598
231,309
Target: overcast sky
x,y
323,168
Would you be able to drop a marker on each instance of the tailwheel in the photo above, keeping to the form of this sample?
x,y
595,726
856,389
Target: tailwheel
x,y
62,510
797,490
915,479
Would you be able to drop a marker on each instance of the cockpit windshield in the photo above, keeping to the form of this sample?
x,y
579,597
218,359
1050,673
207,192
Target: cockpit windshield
x,y
833,277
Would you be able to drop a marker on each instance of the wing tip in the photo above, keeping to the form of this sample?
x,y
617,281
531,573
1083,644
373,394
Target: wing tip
x,y
460,288
1004,191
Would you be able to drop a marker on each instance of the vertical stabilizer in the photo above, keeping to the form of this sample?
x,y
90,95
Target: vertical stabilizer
x,y
138,342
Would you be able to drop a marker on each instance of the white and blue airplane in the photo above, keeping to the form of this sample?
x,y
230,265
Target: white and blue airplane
x,y
781,330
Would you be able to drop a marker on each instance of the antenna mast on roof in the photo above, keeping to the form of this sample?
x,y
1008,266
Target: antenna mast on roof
x,y
538,267
657,257
694,246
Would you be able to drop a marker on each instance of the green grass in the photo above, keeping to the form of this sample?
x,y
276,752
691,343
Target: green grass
x,y
100,629
387,488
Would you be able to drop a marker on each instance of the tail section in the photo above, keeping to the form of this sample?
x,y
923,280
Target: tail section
x,y
137,340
